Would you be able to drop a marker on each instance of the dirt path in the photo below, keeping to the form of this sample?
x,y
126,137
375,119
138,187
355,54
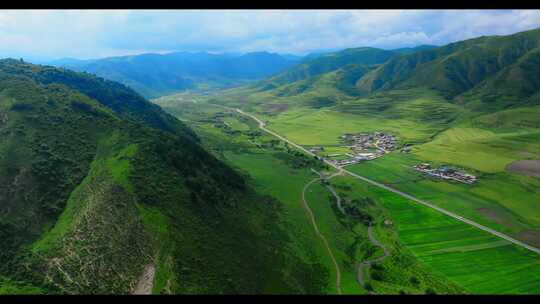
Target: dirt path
x,y
367,264
321,236
146,281
338,198
371,237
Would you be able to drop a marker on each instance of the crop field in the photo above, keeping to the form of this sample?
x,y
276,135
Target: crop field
x,y
481,149
501,201
467,256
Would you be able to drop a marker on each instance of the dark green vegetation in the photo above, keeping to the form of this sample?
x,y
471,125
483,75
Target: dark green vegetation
x,y
97,183
154,75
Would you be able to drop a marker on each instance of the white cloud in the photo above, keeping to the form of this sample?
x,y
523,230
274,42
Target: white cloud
x,y
92,33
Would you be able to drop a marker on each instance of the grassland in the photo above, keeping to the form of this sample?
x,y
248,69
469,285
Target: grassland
x,y
468,257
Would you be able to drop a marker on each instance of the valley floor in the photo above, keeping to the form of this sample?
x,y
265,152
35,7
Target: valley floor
x,y
429,251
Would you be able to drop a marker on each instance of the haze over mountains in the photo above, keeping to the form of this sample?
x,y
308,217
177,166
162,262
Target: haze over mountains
x,y
154,75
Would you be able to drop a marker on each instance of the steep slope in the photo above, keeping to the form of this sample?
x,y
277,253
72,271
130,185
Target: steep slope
x,y
155,75
96,189
327,63
459,67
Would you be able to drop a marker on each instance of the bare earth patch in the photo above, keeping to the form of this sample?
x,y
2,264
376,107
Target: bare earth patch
x,y
495,216
276,108
146,281
530,237
529,167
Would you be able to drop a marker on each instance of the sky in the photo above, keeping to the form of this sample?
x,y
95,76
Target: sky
x,y
52,34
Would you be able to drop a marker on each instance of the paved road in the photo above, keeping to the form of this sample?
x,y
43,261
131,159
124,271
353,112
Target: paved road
x,y
262,126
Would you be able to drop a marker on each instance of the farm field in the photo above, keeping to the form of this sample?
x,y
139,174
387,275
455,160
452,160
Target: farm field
x,y
501,201
469,257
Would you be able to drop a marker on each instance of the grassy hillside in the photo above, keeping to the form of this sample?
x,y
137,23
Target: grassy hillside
x,y
327,63
495,67
98,185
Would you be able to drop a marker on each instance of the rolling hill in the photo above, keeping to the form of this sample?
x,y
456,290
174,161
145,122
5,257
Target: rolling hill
x,y
98,186
154,75
488,68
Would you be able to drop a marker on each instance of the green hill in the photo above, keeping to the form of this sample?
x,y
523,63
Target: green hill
x,y
98,185
327,63
493,66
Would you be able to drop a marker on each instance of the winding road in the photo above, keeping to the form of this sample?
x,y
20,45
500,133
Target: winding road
x,y
262,126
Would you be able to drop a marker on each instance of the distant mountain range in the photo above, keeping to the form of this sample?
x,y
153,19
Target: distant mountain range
x,y
154,75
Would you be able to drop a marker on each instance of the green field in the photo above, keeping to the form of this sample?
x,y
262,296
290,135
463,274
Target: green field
x,y
324,127
500,200
469,257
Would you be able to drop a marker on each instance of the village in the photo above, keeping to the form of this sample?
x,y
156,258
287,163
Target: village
x,y
445,172
363,147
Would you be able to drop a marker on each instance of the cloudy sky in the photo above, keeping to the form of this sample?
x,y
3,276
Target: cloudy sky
x,y
44,35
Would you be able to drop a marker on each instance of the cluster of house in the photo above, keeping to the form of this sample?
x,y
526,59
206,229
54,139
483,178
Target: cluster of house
x,y
446,172
381,141
366,147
